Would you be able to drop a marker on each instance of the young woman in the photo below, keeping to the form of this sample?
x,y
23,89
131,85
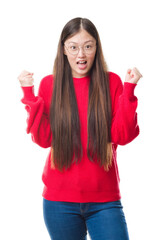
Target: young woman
x,y
82,112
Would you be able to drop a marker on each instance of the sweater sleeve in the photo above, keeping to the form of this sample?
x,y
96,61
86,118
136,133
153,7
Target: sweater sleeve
x,y
37,121
124,126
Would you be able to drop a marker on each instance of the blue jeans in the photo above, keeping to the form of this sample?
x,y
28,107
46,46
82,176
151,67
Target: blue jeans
x,y
71,221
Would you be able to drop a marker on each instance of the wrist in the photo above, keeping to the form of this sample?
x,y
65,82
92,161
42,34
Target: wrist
x,y
133,82
26,84
28,92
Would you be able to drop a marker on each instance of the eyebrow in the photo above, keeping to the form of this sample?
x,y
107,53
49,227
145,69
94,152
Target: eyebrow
x,y
84,42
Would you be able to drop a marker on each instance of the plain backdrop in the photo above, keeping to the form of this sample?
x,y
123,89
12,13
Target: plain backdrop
x,y
30,31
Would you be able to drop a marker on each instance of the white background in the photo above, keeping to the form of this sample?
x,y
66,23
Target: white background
x,y
30,32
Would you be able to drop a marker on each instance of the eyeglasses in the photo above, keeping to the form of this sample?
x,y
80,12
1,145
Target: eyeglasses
x,y
88,48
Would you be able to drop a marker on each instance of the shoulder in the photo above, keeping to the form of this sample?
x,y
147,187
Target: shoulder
x,y
115,85
46,84
114,79
46,81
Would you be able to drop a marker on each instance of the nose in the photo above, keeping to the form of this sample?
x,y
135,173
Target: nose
x,y
81,52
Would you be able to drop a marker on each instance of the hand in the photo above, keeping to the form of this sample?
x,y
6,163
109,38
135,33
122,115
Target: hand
x,y
133,76
26,79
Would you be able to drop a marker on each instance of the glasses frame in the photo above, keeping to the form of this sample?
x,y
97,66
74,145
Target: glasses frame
x,y
78,49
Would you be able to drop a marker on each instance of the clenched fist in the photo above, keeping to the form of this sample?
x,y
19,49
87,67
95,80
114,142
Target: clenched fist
x,y
133,76
26,79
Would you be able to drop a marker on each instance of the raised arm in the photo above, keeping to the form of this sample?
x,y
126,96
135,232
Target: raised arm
x,y
37,121
124,126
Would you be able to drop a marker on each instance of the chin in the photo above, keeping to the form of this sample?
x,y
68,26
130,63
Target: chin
x,y
81,73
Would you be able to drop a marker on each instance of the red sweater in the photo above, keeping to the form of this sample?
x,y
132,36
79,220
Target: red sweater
x,y
85,181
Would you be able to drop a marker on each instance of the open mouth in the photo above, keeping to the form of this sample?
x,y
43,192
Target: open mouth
x,y
82,62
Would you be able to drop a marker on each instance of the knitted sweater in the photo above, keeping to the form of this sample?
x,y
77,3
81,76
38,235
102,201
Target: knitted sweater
x,y
85,181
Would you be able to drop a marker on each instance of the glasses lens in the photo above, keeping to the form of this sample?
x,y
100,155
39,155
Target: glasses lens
x,y
89,48
73,49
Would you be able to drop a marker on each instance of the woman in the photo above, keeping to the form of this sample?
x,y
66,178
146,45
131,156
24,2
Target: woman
x,y
83,112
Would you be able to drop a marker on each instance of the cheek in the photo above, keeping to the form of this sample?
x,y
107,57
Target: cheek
x,y
91,60
71,61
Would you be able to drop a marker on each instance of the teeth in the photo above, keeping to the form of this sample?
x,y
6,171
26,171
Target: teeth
x,y
81,62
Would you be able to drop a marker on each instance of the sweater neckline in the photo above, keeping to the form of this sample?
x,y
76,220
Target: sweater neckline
x,y
86,78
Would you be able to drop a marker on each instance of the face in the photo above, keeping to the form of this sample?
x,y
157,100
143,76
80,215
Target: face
x,y
81,62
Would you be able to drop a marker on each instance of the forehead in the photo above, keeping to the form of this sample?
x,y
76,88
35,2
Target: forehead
x,y
81,37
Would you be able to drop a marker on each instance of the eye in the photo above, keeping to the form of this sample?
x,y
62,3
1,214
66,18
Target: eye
x,y
88,46
73,48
